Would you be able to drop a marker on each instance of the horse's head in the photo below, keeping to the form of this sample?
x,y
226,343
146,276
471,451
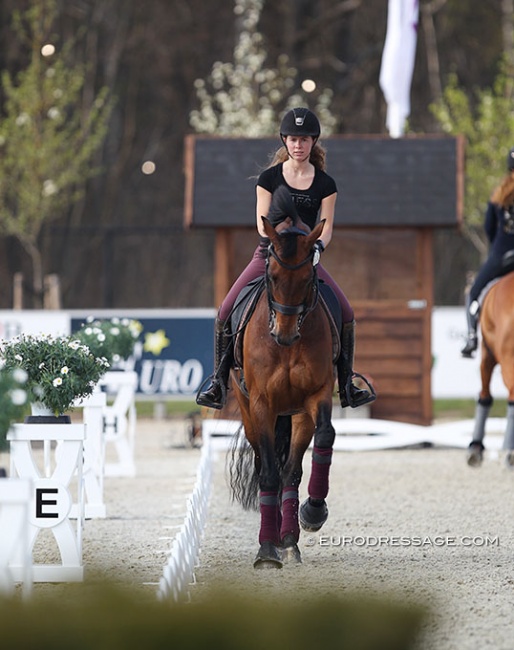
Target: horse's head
x,y
290,276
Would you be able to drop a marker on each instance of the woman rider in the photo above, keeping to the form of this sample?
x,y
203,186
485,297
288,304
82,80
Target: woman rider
x,y
499,227
300,166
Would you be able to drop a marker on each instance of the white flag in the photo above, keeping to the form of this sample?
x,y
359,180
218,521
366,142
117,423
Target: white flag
x,y
398,62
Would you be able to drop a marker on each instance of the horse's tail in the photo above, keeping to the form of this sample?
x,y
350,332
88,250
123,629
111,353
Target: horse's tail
x,y
242,475
283,431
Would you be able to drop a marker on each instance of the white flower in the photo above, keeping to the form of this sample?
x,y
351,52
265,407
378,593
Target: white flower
x,y
49,188
18,357
65,370
22,119
20,375
53,113
74,345
18,396
41,365
101,337
57,381
115,331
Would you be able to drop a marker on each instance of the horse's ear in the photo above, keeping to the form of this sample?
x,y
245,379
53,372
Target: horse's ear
x,y
268,228
315,234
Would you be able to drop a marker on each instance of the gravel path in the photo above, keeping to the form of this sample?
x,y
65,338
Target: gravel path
x,y
413,525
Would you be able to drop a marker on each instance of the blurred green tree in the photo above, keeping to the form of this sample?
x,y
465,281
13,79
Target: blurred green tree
x,y
48,138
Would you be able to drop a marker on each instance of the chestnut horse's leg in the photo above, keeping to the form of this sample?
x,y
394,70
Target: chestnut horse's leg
x,y
269,499
314,510
508,440
301,435
475,453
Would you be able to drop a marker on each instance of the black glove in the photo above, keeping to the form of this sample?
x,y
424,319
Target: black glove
x,y
318,247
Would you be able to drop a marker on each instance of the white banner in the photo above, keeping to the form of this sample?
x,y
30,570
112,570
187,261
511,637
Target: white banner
x,y
35,322
398,62
453,376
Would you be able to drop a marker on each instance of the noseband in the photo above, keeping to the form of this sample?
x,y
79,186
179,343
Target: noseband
x,y
301,310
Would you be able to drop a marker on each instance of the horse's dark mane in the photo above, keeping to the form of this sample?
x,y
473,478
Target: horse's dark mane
x,y
282,206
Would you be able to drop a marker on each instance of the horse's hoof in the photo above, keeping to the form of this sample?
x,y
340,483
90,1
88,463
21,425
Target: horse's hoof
x,y
268,557
475,454
290,551
312,517
509,459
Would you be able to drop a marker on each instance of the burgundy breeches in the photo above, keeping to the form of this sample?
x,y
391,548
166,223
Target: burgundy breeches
x,y
257,268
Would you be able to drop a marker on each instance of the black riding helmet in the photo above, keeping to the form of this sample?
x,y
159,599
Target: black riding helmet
x,y
300,121
510,160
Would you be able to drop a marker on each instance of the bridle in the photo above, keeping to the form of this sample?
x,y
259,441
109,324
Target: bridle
x,y
301,310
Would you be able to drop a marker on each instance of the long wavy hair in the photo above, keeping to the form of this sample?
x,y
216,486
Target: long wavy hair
x,y
317,157
504,194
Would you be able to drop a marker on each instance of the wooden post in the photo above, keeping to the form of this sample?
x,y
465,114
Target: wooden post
x,y
52,293
223,264
18,291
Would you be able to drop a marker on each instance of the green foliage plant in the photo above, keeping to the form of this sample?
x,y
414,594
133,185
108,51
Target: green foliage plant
x,y
59,370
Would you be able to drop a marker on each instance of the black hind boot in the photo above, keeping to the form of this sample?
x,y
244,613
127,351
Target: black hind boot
x,y
216,396
349,394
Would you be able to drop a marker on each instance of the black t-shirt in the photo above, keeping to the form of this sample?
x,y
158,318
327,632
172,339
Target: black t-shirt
x,y
308,202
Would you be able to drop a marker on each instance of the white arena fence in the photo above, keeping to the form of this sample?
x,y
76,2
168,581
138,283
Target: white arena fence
x,y
179,571
368,434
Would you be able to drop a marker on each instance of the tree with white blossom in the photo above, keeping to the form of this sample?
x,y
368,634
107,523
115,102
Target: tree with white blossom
x,y
48,137
245,98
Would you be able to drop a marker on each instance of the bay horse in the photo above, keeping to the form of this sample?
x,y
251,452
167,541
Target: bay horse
x,y
497,330
286,396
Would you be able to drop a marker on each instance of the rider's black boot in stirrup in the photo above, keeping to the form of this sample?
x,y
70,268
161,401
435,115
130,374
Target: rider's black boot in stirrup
x,y
349,394
472,309
216,396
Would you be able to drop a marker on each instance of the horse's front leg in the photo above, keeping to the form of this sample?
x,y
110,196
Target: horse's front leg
x,y
269,503
314,510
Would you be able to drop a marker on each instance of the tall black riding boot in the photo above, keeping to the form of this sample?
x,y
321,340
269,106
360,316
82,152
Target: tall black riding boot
x,y
349,394
472,311
216,396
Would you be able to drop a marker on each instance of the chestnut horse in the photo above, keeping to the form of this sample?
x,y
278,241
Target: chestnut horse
x,y
497,328
288,371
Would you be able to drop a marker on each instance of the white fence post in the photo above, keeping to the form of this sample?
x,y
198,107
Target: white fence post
x,y
119,421
178,573
94,455
15,497
51,500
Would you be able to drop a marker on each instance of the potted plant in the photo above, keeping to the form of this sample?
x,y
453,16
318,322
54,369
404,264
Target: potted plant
x,y
59,370
113,338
